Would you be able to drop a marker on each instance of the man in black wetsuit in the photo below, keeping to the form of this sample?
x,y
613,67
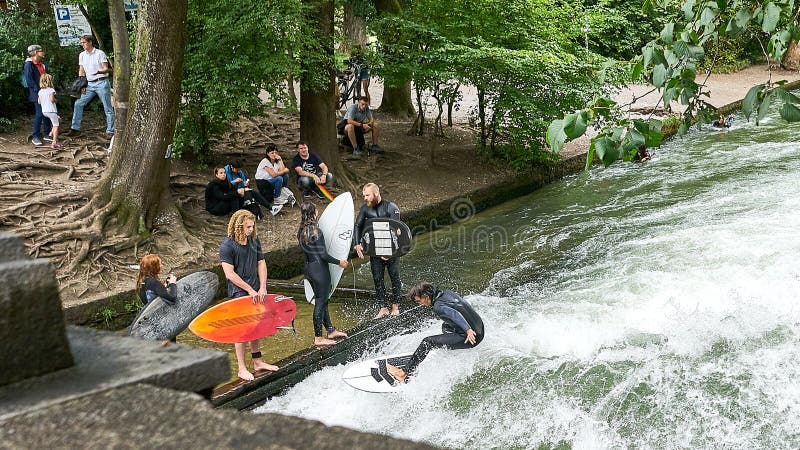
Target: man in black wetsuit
x,y
462,327
374,207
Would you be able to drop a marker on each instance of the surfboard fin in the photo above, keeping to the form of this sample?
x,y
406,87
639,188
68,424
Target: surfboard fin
x,y
294,330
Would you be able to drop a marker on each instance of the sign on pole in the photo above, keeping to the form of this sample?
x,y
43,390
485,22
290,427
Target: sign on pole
x,y
131,5
71,24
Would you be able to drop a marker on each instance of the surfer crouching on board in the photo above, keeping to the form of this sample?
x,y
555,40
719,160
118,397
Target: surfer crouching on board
x,y
316,271
462,327
245,269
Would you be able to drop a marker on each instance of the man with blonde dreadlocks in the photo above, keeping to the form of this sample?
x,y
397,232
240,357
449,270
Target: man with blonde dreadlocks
x,y
246,271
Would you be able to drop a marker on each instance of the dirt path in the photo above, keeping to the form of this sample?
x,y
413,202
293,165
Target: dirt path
x,y
415,172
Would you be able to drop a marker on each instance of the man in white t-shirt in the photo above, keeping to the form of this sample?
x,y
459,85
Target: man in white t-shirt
x,y
93,64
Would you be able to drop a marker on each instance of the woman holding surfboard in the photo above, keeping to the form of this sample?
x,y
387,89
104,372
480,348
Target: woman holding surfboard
x,y
149,286
316,271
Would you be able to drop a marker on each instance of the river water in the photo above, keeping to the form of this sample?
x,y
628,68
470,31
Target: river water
x,y
645,305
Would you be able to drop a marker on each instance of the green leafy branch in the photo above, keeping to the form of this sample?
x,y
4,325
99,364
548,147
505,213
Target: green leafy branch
x,y
669,64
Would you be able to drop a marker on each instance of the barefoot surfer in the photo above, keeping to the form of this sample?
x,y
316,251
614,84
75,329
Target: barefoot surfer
x,y
316,271
462,327
246,270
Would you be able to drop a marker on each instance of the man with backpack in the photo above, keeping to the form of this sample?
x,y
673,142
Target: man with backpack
x,y
33,69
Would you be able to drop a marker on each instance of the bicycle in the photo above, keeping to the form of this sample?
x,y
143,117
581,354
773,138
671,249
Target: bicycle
x,y
348,81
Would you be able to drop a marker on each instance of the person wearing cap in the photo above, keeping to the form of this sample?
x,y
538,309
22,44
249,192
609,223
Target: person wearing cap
x,y
33,69
462,327
93,64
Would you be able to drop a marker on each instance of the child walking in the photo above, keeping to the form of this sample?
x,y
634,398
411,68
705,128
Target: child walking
x,y
47,98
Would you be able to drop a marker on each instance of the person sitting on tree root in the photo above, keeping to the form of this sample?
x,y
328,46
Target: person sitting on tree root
x,y
462,327
245,270
250,198
357,121
311,171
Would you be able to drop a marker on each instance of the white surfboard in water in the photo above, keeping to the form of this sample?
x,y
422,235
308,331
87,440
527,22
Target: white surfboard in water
x,y
371,375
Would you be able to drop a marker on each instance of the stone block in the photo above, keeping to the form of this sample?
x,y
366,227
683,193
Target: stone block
x,y
141,416
11,248
32,326
105,360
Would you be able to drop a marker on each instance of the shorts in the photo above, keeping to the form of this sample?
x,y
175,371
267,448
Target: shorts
x,y
53,117
364,75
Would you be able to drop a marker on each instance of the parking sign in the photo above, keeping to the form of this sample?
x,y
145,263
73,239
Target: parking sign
x,y
71,24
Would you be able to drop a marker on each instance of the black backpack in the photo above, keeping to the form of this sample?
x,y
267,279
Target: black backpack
x,y
77,86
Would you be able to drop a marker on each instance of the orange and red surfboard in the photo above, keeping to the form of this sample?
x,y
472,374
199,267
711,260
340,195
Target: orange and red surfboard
x,y
241,320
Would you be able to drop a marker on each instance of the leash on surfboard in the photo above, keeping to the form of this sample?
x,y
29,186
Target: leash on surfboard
x,y
294,330
286,328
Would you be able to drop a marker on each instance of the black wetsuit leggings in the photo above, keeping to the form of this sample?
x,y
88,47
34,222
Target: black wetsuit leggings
x,y
377,265
449,339
319,276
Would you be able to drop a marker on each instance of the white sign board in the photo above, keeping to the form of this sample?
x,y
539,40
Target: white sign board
x,y
131,5
71,24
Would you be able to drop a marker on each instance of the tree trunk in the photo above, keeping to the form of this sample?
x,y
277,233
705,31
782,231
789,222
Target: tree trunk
x,y
98,41
137,179
122,67
355,29
396,99
482,118
317,97
791,59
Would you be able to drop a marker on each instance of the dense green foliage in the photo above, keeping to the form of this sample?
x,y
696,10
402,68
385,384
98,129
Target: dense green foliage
x,y
618,28
236,51
529,60
521,55
671,62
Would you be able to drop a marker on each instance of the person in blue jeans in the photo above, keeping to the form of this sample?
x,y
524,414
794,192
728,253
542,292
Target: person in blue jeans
x,y
310,170
93,64
33,69
272,175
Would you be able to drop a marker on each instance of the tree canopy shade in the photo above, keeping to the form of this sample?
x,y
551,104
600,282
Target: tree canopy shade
x,y
235,51
670,64
521,55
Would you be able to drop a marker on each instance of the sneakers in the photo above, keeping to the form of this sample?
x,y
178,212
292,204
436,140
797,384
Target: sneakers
x,y
306,194
71,132
37,142
47,139
357,152
279,201
319,194
276,209
376,149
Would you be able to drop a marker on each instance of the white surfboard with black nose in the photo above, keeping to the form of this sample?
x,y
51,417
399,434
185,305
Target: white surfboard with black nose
x,y
371,375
